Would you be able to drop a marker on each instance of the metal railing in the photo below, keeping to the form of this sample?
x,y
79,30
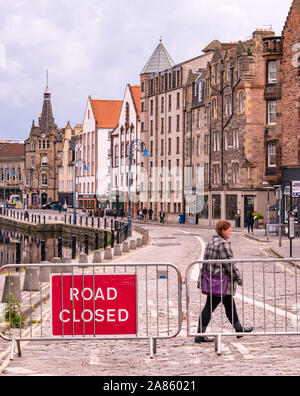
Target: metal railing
x,y
268,300
96,302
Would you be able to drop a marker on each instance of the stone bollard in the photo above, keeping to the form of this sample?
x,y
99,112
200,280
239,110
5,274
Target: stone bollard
x,y
83,259
31,280
132,245
97,258
108,253
145,239
56,269
68,269
12,285
44,274
139,243
125,247
118,250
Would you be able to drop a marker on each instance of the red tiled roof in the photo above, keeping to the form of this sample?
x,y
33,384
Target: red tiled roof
x,y
12,150
136,95
106,112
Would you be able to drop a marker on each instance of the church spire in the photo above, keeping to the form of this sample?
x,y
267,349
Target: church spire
x,y
47,120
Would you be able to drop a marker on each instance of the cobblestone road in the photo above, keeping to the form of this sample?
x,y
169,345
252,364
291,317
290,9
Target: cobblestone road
x,y
258,355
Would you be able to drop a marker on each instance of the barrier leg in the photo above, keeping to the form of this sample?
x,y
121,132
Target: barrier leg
x,y
19,348
218,344
12,350
154,345
151,347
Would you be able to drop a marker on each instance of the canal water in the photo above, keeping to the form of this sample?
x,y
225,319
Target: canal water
x,y
31,246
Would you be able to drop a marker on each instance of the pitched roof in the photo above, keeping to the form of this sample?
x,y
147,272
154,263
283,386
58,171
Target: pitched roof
x,y
159,61
136,95
106,112
12,150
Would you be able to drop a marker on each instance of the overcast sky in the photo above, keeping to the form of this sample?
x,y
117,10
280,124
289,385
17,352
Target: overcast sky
x,y
96,47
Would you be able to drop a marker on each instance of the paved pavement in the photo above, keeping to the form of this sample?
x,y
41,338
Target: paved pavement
x,y
181,245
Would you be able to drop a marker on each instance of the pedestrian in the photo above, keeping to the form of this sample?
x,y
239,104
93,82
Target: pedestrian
x,y
162,217
115,214
140,213
150,213
217,249
249,222
59,207
145,213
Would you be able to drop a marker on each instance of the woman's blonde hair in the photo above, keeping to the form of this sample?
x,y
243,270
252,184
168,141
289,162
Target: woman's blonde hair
x,y
222,226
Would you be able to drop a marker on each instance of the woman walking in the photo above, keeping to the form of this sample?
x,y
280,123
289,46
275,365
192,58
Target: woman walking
x,y
219,248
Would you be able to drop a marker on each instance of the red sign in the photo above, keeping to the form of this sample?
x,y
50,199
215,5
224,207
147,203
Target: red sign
x,y
93,305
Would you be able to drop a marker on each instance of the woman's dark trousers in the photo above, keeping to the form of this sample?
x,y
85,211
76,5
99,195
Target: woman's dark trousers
x,y
211,305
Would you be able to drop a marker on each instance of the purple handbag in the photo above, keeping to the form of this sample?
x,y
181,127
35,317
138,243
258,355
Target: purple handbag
x,y
214,284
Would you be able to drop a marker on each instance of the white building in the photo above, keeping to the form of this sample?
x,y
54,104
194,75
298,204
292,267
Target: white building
x,y
128,130
100,119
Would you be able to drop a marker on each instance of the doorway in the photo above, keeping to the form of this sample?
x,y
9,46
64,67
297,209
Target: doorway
x,y
248,205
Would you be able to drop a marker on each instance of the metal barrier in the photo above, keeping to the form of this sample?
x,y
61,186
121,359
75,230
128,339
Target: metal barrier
x,y
268,301
97,302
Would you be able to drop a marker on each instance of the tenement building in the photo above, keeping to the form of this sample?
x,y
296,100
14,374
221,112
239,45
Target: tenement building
x,y
227,144
123,138
290,160
11,170
162,129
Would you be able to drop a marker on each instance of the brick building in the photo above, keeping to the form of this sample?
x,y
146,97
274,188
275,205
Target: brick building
x,y
225,132
12,157
43,157
291,104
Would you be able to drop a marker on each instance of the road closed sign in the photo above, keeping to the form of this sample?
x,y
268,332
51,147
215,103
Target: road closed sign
x,y
85,305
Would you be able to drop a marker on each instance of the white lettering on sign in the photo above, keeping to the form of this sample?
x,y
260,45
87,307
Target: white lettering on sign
x,y
296,58
111,315
87,294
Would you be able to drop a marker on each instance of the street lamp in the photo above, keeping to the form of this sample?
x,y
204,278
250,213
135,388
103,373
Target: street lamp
x,y
137,145
78,162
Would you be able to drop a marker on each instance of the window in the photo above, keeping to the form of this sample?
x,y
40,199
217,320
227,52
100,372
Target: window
x,y
162,126
272,107
216,74
170,102
27,180
151,128
162,147
216,206
228,104
216,174
235,172
272,72
216,141
239,67
228,71
214,108
177,145
44,180
44,162
162,104
271,154
231,206
178,100
169,146
142,107
241,102
177,122
201,89
151,107
235,139
170,124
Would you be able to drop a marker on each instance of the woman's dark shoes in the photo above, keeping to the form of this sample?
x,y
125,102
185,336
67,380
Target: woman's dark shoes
x,y
200,340
243,330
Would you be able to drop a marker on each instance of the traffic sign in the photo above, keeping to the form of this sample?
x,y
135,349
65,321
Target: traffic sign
x,y
296,189
93,305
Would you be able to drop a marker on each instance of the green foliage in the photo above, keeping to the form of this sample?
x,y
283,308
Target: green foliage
x,y
13,313
258,215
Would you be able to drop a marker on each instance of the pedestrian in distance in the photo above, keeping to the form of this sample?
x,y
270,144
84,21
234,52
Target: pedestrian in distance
x,y
162,217
228,276
249,222
150,213
145,214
